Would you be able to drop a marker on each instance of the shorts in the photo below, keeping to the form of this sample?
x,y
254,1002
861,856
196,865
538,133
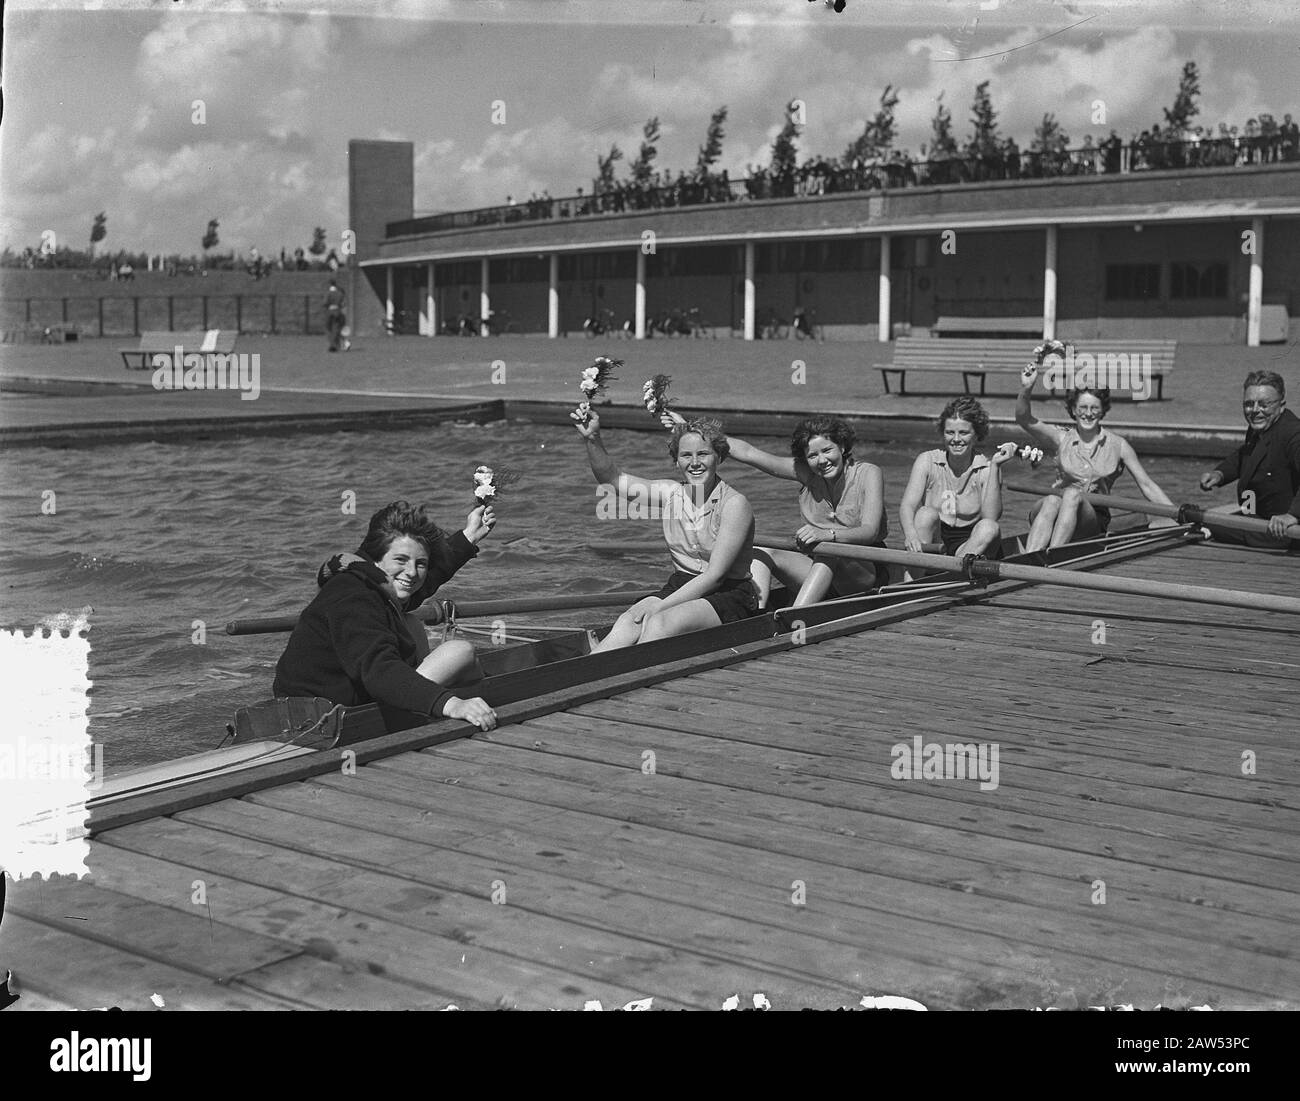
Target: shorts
x,y
953,536
733,600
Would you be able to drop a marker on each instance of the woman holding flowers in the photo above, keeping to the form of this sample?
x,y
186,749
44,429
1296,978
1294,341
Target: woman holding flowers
x,y
708,526
358,643
841,499
1088,460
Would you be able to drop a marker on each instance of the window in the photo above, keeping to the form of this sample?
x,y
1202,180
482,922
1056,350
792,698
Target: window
x,y
1133,281
1190,281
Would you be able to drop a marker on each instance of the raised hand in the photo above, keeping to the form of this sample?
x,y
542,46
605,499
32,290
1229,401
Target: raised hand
x,y
1003,453
671,420
1029,375
588,424
479,523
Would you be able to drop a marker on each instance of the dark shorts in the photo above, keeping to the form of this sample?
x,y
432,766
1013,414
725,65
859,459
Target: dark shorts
x,y
952,537
733,600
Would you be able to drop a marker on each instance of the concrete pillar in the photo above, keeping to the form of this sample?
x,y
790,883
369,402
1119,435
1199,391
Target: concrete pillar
x,y
884,304
1049,285
553,299
430,303
1255,301
388,297
640,294
484,300
749,290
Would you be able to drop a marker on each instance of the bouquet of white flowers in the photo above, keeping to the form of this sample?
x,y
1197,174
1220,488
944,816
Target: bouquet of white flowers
x,y
487,483
593,382
655,395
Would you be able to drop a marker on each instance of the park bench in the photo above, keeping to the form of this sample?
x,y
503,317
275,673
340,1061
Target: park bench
x,y
152,343
988,327
42,334
977,359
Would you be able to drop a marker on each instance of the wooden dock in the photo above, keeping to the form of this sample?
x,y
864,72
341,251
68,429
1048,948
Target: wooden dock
x,y
738,830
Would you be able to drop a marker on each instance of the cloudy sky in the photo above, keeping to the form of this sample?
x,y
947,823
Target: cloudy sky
x,y
100,96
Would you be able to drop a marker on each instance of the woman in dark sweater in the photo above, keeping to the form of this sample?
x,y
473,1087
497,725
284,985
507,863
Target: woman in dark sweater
x,y
356,643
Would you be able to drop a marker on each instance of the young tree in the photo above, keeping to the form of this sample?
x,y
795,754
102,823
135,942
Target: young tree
x,y
1049,137
98,231
942,143
984,138
317,245
784,155
642,168
711,150
1178,117
878,134
605,169
210,238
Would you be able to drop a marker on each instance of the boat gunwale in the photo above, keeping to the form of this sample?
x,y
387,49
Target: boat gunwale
x,y
111,813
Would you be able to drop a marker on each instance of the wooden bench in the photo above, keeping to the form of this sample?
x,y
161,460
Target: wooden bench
x,y
977,359
152,343
988,327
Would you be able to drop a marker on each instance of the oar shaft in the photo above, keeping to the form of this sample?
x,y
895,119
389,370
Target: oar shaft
x,y
1184,514
1072,579
467,609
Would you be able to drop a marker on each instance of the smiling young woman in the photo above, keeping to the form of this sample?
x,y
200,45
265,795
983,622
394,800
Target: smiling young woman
x,y
954,494
841,500
356,643
709,529
1088,460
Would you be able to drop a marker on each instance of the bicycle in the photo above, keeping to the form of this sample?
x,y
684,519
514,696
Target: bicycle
x,y
602,324
806,327
773,328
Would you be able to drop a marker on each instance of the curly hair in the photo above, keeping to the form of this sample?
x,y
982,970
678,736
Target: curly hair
x,y
1102,394
835,429
707,429
965,409
392,522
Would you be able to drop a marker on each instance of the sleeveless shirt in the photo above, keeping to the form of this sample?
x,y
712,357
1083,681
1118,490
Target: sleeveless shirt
x,y
691,532
1093,467
955,498
815,502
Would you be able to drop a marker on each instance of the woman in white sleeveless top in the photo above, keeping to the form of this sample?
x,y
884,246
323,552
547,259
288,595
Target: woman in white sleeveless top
x,y
708,527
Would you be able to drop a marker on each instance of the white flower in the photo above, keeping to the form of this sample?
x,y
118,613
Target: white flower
x,y
588,386
590,372
485,492
483,475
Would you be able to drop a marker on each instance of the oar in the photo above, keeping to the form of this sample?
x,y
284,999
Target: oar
x,y
467,609
989,570
1184,514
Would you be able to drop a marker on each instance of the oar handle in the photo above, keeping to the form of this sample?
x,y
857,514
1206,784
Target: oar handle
x,y
1184,514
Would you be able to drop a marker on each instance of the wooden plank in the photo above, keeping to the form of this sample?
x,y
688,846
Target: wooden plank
x,y
90,974
631,853
185,939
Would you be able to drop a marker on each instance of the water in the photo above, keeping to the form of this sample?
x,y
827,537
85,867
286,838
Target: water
x,y
159,537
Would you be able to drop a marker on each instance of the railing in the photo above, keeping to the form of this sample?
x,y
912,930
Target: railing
x,y
821,177
129,316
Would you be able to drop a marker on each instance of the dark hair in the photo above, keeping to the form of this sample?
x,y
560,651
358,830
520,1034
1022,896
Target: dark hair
x,y
1100,393
393,521
965,409
707,429
1266,378
835,429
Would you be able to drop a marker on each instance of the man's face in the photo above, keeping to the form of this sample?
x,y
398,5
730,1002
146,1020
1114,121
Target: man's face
x,y
1261,405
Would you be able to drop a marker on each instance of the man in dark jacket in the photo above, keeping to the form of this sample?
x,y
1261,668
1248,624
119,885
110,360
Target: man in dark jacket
x,y
1266,467
335,318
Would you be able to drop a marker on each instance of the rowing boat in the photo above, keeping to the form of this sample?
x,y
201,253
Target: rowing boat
x,y
281,731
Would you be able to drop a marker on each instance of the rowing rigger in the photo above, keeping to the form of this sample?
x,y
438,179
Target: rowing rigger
x,y
1184,514
983,571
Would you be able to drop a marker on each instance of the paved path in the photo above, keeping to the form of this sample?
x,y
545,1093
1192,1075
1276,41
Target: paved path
x,y
380,375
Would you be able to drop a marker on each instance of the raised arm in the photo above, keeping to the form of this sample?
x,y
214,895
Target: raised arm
x,y
1046,433
777,465
735,531
603,466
